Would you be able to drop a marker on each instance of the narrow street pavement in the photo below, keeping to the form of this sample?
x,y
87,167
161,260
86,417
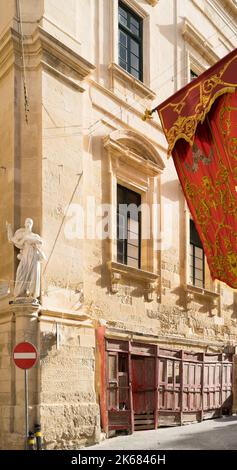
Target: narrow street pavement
x,y
215,434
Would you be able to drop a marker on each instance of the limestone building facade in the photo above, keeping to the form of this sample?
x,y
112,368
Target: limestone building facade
x,y
132,332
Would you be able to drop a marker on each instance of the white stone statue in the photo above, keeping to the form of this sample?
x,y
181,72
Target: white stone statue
x,y
28,272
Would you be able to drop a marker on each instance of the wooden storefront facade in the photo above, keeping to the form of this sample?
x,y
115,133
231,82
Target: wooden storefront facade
x,y
147,386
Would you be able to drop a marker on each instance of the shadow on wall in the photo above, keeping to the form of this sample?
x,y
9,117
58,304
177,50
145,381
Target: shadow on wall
x,y
206,306
233,306
47,341
171,190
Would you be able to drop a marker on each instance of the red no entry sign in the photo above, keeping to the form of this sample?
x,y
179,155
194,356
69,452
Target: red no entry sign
x,y
25,355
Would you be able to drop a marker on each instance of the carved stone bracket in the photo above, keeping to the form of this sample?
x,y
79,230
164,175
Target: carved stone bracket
x,y
149,291
120,273
115,281
193,291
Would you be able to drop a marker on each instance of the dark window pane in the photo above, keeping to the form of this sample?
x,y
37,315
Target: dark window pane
x,y
123,16
123,38
135,73
197,271
134,25
123,64
134,47
128,241
194,237
134,62
134,30
123,53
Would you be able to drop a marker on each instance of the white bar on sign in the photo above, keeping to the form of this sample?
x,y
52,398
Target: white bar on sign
x,y
30,355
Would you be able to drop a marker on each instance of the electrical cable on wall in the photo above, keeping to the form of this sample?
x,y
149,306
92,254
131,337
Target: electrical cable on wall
x,y
26,100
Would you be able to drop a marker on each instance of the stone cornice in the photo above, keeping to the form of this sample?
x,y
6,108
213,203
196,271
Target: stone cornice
x,y
136,7
228,44
47,314
52,46
230,6
9,50
199,42
42,48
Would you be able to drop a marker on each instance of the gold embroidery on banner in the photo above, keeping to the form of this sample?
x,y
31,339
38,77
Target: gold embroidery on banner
x,y
211,195
185,126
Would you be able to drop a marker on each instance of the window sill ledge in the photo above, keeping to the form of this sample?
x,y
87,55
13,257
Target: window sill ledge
x,y
137,85
121,271
139,274
199,291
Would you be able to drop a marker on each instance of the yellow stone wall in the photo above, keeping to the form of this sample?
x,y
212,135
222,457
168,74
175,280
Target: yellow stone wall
x,y
78,98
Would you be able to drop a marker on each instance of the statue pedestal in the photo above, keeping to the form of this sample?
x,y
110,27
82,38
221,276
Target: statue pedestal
x,y
25,312
18,322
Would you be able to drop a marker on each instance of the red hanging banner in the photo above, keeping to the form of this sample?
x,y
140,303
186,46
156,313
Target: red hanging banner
x,y
200,124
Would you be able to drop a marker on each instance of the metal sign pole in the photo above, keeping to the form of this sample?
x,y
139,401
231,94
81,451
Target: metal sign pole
x,y
26,409
25,356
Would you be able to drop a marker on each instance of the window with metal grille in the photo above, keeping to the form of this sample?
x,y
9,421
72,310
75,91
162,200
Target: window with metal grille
x,y
128,227
130,41
197,258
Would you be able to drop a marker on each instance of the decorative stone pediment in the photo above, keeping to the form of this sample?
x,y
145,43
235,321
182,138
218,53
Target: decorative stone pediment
x,y
199,43
136,149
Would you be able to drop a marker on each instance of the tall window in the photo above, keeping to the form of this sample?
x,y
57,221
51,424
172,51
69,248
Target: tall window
x,y
197,258
130,41
128,227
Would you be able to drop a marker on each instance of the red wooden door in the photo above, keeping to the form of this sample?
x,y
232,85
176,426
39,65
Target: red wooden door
x,y
143,384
